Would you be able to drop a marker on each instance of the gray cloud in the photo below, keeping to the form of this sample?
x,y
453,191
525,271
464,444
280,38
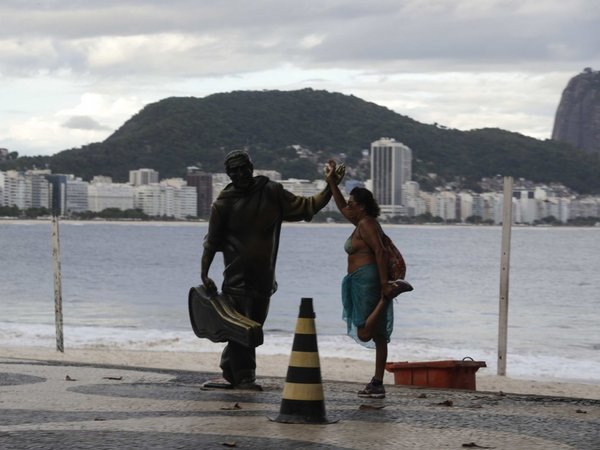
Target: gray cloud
x,y
83,123
232,37
461,63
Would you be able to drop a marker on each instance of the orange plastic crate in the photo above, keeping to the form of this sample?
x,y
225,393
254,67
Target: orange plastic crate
x,y
451,374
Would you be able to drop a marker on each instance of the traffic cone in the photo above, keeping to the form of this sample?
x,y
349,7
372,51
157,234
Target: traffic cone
x,y
303,400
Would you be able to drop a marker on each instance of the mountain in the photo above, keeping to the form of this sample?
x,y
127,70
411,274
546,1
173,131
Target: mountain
x,y
577,118
174,133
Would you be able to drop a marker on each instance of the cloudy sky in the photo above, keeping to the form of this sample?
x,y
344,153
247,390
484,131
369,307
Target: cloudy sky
x,y
71,72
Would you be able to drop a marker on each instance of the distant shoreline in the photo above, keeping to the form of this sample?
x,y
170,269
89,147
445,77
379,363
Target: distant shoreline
x,y
20,221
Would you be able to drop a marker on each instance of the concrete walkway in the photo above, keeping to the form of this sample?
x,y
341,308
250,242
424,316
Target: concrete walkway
x,y
50,405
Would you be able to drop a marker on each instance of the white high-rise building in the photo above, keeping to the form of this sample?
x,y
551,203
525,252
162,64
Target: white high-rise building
x,y
185,202
219,182
465,205
443,204
15,189
526,211
180,199
171,198
412,200
391,167
77,194
563,206
147,198
142,177
103,194
25,189
2,176
493,207
585,207
38,189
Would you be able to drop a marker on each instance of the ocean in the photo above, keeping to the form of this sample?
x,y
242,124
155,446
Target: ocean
x,y
125,286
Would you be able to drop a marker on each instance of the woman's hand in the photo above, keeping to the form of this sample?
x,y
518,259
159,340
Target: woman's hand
x,y
333,172
329,170
340,171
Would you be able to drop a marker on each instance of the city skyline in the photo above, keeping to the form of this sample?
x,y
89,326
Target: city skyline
x,y
176,198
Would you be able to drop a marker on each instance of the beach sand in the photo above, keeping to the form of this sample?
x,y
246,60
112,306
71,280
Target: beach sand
x,y
332,369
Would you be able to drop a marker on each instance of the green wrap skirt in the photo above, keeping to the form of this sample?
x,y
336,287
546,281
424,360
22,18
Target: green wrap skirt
x,y
360,295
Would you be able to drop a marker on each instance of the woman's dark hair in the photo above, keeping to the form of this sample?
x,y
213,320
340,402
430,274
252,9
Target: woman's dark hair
x,y
364,197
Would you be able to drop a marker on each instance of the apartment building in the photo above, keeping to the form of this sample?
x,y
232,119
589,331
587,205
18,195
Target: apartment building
x,y
104,194
203,182
171,198
141,177
391,167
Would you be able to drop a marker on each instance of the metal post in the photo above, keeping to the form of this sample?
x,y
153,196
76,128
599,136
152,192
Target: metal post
x,y
504,272
58,317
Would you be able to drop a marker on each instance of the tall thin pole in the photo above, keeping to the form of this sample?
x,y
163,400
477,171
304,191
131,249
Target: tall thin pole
x,y
504,272
58,317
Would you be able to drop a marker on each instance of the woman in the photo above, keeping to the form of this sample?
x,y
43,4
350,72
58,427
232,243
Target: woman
x,y
366,293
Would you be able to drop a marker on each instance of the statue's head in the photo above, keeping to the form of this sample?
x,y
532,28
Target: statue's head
x,y
239,168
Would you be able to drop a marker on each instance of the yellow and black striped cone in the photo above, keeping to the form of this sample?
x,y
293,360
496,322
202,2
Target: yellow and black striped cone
x,y
303,400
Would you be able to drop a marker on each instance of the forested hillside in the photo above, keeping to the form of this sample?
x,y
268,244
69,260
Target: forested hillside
x,y
174,133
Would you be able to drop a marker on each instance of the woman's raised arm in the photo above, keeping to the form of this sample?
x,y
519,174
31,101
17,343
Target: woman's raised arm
x,y
332,174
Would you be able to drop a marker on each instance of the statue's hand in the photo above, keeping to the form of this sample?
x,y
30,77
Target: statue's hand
x,y
333,172
340,171
209,285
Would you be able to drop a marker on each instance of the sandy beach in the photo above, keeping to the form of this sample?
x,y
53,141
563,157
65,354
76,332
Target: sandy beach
x,y
332,369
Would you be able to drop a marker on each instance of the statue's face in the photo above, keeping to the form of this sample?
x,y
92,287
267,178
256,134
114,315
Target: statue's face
x,y
241,176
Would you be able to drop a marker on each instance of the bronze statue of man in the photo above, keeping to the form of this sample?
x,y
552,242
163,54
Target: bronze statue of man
x,y
245,224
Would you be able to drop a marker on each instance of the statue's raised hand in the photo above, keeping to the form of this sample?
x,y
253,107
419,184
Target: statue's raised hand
x,y
340,171
333,172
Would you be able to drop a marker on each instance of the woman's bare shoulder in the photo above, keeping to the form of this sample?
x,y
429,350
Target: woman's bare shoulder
x,y
368,224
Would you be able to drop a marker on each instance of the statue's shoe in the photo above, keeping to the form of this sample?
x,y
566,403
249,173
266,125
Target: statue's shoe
x,y
215,318
222,383
400,286
217,383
